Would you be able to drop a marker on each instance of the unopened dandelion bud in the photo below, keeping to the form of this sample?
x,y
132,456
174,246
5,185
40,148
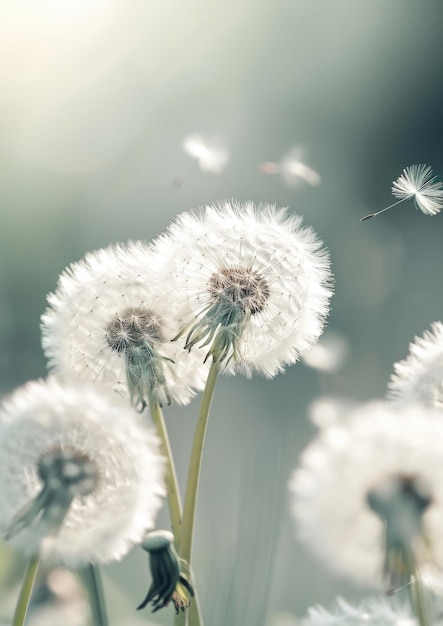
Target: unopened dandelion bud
x,y
169,578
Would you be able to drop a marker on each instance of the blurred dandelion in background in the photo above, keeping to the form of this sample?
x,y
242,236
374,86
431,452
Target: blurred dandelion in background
x,y
375,611
419,377
328,354
293,169
327,411
368,495
78,488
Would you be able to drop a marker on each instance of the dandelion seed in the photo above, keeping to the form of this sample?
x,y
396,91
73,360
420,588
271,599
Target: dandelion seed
x,y
107,323
292,169
368,496
377,611
248,284
210,155
418,182
77,487
419,377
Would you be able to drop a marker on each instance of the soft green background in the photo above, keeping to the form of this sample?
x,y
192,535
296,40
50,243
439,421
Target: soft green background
x,y
96,98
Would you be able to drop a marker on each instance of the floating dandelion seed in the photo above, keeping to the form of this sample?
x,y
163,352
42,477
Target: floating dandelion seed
x,y
368,496
82,478
292,169
106,322
208,153
248,283
419,377
418,182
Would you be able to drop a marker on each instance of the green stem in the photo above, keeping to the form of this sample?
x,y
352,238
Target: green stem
x,y
416,590
189,508
25,592
93,583
195,465
418,600
174,502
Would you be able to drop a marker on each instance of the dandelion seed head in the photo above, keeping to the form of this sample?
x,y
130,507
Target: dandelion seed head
x,y
374,450
251,278
100,466
419,377
107,322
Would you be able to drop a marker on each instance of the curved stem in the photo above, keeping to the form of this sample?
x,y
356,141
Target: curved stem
x,y
195,618
174,501
25,592
195,464
91,578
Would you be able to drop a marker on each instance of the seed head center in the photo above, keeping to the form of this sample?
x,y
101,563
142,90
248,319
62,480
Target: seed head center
x,y
69,470
240,287
397,491
131,328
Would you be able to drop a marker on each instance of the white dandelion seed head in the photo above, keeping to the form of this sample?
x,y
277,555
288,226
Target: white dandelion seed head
x,y
419,377
328,354
210,154
253,274
104,522
376,611
109,305
377,444
420,183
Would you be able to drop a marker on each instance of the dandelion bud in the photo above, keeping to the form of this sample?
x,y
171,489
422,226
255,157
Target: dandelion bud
x,y
169,582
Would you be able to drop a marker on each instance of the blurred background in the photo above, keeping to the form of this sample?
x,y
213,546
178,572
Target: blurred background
x,y
97,97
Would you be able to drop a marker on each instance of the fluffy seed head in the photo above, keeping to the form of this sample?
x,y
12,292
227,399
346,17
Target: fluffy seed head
x,y
82,478
369,480
419,377
107,322
248,283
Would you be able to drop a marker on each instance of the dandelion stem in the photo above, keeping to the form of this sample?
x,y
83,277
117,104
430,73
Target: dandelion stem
x,y
192,484
174,501
195,464
418,598
91,578
367,217
25,592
